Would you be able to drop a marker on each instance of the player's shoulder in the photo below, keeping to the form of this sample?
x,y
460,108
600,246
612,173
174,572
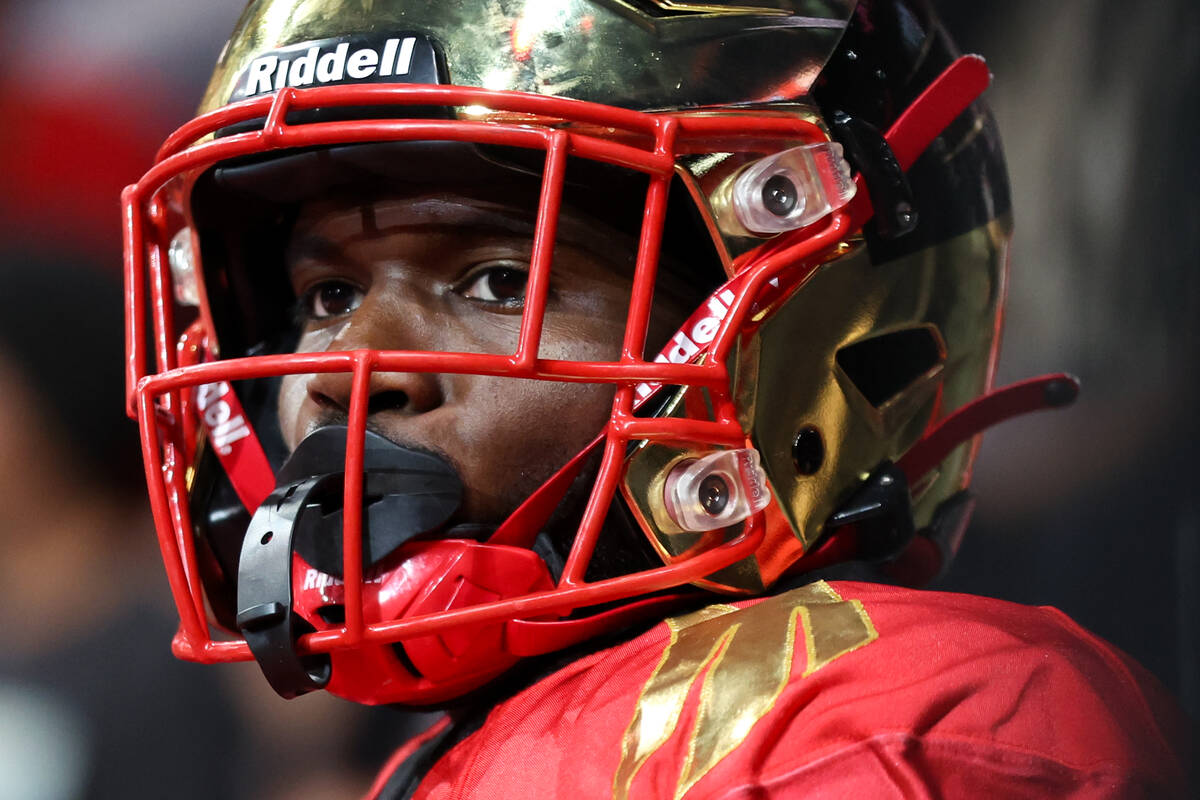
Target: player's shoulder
x,y
823,685
965,688
882,640
827,679
855,625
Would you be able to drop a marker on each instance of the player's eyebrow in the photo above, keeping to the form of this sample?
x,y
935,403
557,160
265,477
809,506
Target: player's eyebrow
x,y
428,215
318,248
500,219
458,215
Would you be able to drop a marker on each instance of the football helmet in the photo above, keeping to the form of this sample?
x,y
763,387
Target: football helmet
x,y
811,214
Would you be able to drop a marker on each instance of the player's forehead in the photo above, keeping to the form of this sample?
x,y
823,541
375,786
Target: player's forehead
x,y
369,214
466,213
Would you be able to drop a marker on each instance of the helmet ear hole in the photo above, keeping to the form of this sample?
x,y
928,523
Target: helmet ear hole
x,y
883,367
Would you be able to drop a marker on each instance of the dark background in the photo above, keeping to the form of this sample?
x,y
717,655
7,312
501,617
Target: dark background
x,y
1092,509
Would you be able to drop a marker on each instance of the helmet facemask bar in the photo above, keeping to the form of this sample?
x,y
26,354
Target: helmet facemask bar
x,y
158,398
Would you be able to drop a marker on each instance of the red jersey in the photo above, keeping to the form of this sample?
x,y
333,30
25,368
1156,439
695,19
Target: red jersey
x,y
848,690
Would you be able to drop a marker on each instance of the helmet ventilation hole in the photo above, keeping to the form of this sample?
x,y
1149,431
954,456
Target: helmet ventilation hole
x,y
882,367
808,451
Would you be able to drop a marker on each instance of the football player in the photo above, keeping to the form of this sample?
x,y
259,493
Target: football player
x,y
605,370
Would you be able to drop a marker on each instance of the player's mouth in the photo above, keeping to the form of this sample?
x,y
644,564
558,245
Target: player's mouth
x,y
408,494
420,560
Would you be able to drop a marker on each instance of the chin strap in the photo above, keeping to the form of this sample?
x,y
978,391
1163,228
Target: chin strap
x,y
949,95
219,411
235,443
1034,394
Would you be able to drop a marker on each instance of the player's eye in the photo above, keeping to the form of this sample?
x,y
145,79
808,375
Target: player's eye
x,y
498,282
332,299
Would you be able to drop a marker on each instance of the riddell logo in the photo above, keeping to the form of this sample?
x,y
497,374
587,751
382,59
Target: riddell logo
x,y
364,58
216,410
272,73
697,332
314,579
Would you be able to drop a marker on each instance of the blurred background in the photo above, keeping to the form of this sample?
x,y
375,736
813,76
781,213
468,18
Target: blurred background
x,y
1093,510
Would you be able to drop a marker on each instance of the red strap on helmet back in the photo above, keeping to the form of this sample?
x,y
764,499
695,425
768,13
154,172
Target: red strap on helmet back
x,y
1033,394
924,120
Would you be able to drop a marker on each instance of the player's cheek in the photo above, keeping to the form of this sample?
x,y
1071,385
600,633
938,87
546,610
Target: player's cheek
x,y
292,394
592,335
514,434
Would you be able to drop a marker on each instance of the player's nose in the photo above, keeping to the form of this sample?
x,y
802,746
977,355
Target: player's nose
x,y
384,323
405,392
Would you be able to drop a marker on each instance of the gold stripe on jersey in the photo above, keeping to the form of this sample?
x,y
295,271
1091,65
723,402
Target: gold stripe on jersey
x,y
743,660
832,626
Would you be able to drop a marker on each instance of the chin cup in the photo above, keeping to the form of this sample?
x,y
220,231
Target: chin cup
x,y
406,493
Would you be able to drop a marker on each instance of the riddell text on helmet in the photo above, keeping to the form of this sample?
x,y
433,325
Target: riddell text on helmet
x,y
330,62
702,327
225,426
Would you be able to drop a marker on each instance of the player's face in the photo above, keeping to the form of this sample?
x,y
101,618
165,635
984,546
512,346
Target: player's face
x,y
447,272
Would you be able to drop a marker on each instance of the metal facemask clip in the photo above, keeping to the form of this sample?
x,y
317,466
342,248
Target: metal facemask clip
x,y
784,192
406,493
716,490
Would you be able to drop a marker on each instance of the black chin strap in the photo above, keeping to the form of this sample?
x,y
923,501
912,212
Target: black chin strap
x,y
265,615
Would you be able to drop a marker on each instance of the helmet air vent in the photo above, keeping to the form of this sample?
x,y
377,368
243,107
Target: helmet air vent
x,y
884,366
